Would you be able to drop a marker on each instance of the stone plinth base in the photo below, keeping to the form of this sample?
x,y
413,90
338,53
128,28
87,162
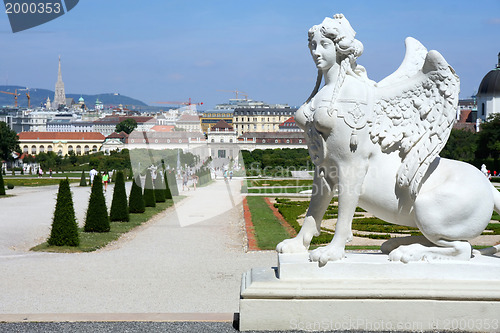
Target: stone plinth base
x,y
366,292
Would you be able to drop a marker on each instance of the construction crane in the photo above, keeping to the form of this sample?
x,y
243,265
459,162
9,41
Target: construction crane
x,y
12,93
27,96
178,103
236,92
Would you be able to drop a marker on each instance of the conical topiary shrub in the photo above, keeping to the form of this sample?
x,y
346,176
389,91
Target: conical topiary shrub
x,y
172,183
159,188
2,185
168,193
64,227
83,181
149,193
97,219
119,205
136,200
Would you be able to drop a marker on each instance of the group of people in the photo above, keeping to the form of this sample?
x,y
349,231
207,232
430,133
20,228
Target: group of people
x,y
186,177
105,178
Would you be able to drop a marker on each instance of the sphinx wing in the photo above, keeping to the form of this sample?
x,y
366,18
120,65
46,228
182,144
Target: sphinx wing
x,y
415,116
412,63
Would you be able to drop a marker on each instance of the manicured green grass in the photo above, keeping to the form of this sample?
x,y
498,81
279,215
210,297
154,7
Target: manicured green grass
x,y
36,181
91,241
494,229
268,230
283,182
278,190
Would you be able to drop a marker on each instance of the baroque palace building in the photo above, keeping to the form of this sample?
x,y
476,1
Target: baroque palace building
x,y
61,143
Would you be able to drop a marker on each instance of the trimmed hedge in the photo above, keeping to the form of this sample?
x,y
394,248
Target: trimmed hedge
x,y
83,181
136,200
159,188
97,219
172,183
149,193
2,185
168,193
64,230
119,205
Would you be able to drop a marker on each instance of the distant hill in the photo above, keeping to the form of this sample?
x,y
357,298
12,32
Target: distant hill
x,y
39,96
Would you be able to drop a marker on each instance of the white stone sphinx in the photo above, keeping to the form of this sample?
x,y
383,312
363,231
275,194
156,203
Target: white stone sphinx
x,y
377,144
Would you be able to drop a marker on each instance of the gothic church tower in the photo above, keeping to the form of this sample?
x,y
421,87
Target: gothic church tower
x,y
60,96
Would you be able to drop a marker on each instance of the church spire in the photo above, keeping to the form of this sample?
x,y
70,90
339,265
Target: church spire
x,y
60,96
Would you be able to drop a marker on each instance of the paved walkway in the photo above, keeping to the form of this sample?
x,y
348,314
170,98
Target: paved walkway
x,y
190,260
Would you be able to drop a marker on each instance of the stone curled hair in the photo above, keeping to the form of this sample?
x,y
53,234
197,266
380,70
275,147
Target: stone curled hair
x,y
342,34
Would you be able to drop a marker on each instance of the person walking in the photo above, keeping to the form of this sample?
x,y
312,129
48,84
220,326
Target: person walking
x,y
92,174
105,180
185,180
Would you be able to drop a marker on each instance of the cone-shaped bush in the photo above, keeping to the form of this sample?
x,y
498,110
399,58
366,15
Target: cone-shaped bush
x,y
2,185
64,227
149,192
136,200
168,193
97,219
159,188
119,205
83,181
172,183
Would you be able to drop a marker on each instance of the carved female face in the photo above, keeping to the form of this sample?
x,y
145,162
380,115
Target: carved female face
x,y
323,51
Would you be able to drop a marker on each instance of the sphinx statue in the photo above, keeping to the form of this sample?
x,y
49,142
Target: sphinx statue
x,y
377,145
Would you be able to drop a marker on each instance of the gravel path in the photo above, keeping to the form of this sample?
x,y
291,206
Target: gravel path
x,y
189,260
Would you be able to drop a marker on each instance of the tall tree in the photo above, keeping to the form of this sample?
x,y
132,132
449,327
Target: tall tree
x,y
461,145
127,126
64,230
489,138
119,206
9,142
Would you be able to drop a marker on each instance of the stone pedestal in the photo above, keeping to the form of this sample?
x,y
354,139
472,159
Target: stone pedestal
x,y
366,292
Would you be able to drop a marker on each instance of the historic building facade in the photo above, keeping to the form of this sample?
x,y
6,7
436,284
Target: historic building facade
x,y
61,143
488,94
260,119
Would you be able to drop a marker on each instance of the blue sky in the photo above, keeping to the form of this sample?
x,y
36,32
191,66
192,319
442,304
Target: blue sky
x,y
174,50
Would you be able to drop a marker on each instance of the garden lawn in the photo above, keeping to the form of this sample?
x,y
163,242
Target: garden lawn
x,y
268,229
35,181
91,241
278,190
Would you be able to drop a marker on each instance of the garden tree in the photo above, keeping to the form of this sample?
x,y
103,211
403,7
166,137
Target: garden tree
x,y
9,142
97,219
159,188
168,193
136,200
489,138
119,205
83,181
461,145
2,185
127,126
149,193
72,158
48,160
64,230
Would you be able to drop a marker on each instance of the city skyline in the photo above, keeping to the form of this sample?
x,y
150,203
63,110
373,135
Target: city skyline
x,y
172,51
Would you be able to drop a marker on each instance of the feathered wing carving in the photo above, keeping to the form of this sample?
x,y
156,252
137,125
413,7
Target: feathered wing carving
x,y
415,109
